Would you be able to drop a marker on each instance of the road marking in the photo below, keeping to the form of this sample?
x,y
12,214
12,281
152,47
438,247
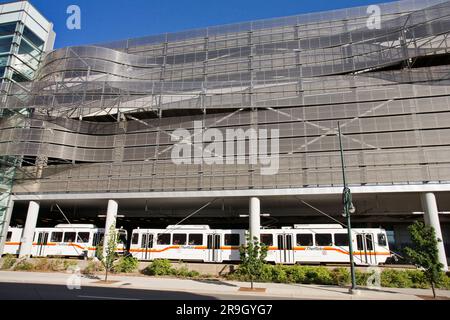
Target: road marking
x,y
107,298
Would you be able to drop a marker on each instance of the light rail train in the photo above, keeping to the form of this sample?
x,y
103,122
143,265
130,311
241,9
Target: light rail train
x,y
64,240
304,243
288,245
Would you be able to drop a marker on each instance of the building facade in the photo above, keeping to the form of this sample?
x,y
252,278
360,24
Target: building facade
x,y
24,37
103,131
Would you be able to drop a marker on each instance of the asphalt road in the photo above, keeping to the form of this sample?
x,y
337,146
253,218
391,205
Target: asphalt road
x,y
24,291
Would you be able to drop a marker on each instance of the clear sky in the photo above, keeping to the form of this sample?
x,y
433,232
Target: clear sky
x,y
109,20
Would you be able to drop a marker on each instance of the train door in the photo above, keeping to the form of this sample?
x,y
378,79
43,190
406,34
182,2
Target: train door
x,y
147,245
42,241
366,248
285,248
214,253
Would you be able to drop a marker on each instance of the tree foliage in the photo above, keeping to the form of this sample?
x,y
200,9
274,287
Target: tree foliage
x,y
108,255
424,253
253,255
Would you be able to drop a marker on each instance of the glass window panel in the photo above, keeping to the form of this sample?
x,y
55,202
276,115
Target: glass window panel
x,y
69,236
323,239
83,237
56,237
195,239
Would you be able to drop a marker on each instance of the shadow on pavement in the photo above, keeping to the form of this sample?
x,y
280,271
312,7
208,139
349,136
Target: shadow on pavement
x,y
23,291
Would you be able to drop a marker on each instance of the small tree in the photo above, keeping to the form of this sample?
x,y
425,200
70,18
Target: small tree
x,y
424,253
108,255
253,255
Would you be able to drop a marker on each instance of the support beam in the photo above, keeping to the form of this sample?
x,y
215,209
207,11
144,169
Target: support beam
x,y
4,227
431,218
28,232
111,217
255,218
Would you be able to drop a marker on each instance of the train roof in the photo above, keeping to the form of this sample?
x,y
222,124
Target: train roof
x,y
189,227
318,226
77,226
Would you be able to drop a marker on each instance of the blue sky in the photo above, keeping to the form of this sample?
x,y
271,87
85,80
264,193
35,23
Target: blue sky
x,y
109,20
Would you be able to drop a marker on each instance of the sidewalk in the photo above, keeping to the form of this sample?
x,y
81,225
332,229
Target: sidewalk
x,y
297,291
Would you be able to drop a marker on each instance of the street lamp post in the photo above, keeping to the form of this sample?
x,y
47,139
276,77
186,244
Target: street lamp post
x,y
348,208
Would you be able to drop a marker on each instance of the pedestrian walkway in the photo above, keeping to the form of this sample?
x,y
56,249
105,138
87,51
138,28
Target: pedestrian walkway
x,y
213,286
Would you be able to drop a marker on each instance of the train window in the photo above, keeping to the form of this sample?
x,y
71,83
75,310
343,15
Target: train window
x,y
382,239
56,237
179,239
83,237
341,239
369,242
359,242
195,239
323,239
163,239
135,238
122,236
8,236
98,238
305,239
232,240
267,239
69,236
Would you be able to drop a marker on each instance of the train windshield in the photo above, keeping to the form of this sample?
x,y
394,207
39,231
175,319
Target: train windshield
x,y
122,236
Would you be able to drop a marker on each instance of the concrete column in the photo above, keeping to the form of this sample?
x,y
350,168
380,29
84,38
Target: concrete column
x,y
5,226
431,218
255,217
28,232
111,216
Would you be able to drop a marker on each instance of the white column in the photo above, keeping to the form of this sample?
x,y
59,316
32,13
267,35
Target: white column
x,y
111,216
255,218
431,218
28,232
6,222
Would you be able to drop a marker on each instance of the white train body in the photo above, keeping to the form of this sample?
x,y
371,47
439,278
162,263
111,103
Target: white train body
x,y
301,244
63,240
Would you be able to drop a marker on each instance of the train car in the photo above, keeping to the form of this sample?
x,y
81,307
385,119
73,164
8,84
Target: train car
x,y
188,243
327,243
307,244
64,240
12,242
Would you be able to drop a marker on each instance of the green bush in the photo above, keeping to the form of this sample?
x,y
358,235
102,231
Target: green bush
x,y
8,262
23,265
92,267
185,272
126,265
341,276
159,267
395,279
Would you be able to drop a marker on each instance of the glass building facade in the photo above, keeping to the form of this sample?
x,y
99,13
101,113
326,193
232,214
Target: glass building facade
x,y
24,36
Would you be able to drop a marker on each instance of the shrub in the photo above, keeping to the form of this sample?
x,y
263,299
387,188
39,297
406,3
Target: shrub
x,y
159,267
341,276
395,279
279,274
44,264
23,265
126,265
319,275
185,272
92,267
8,262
